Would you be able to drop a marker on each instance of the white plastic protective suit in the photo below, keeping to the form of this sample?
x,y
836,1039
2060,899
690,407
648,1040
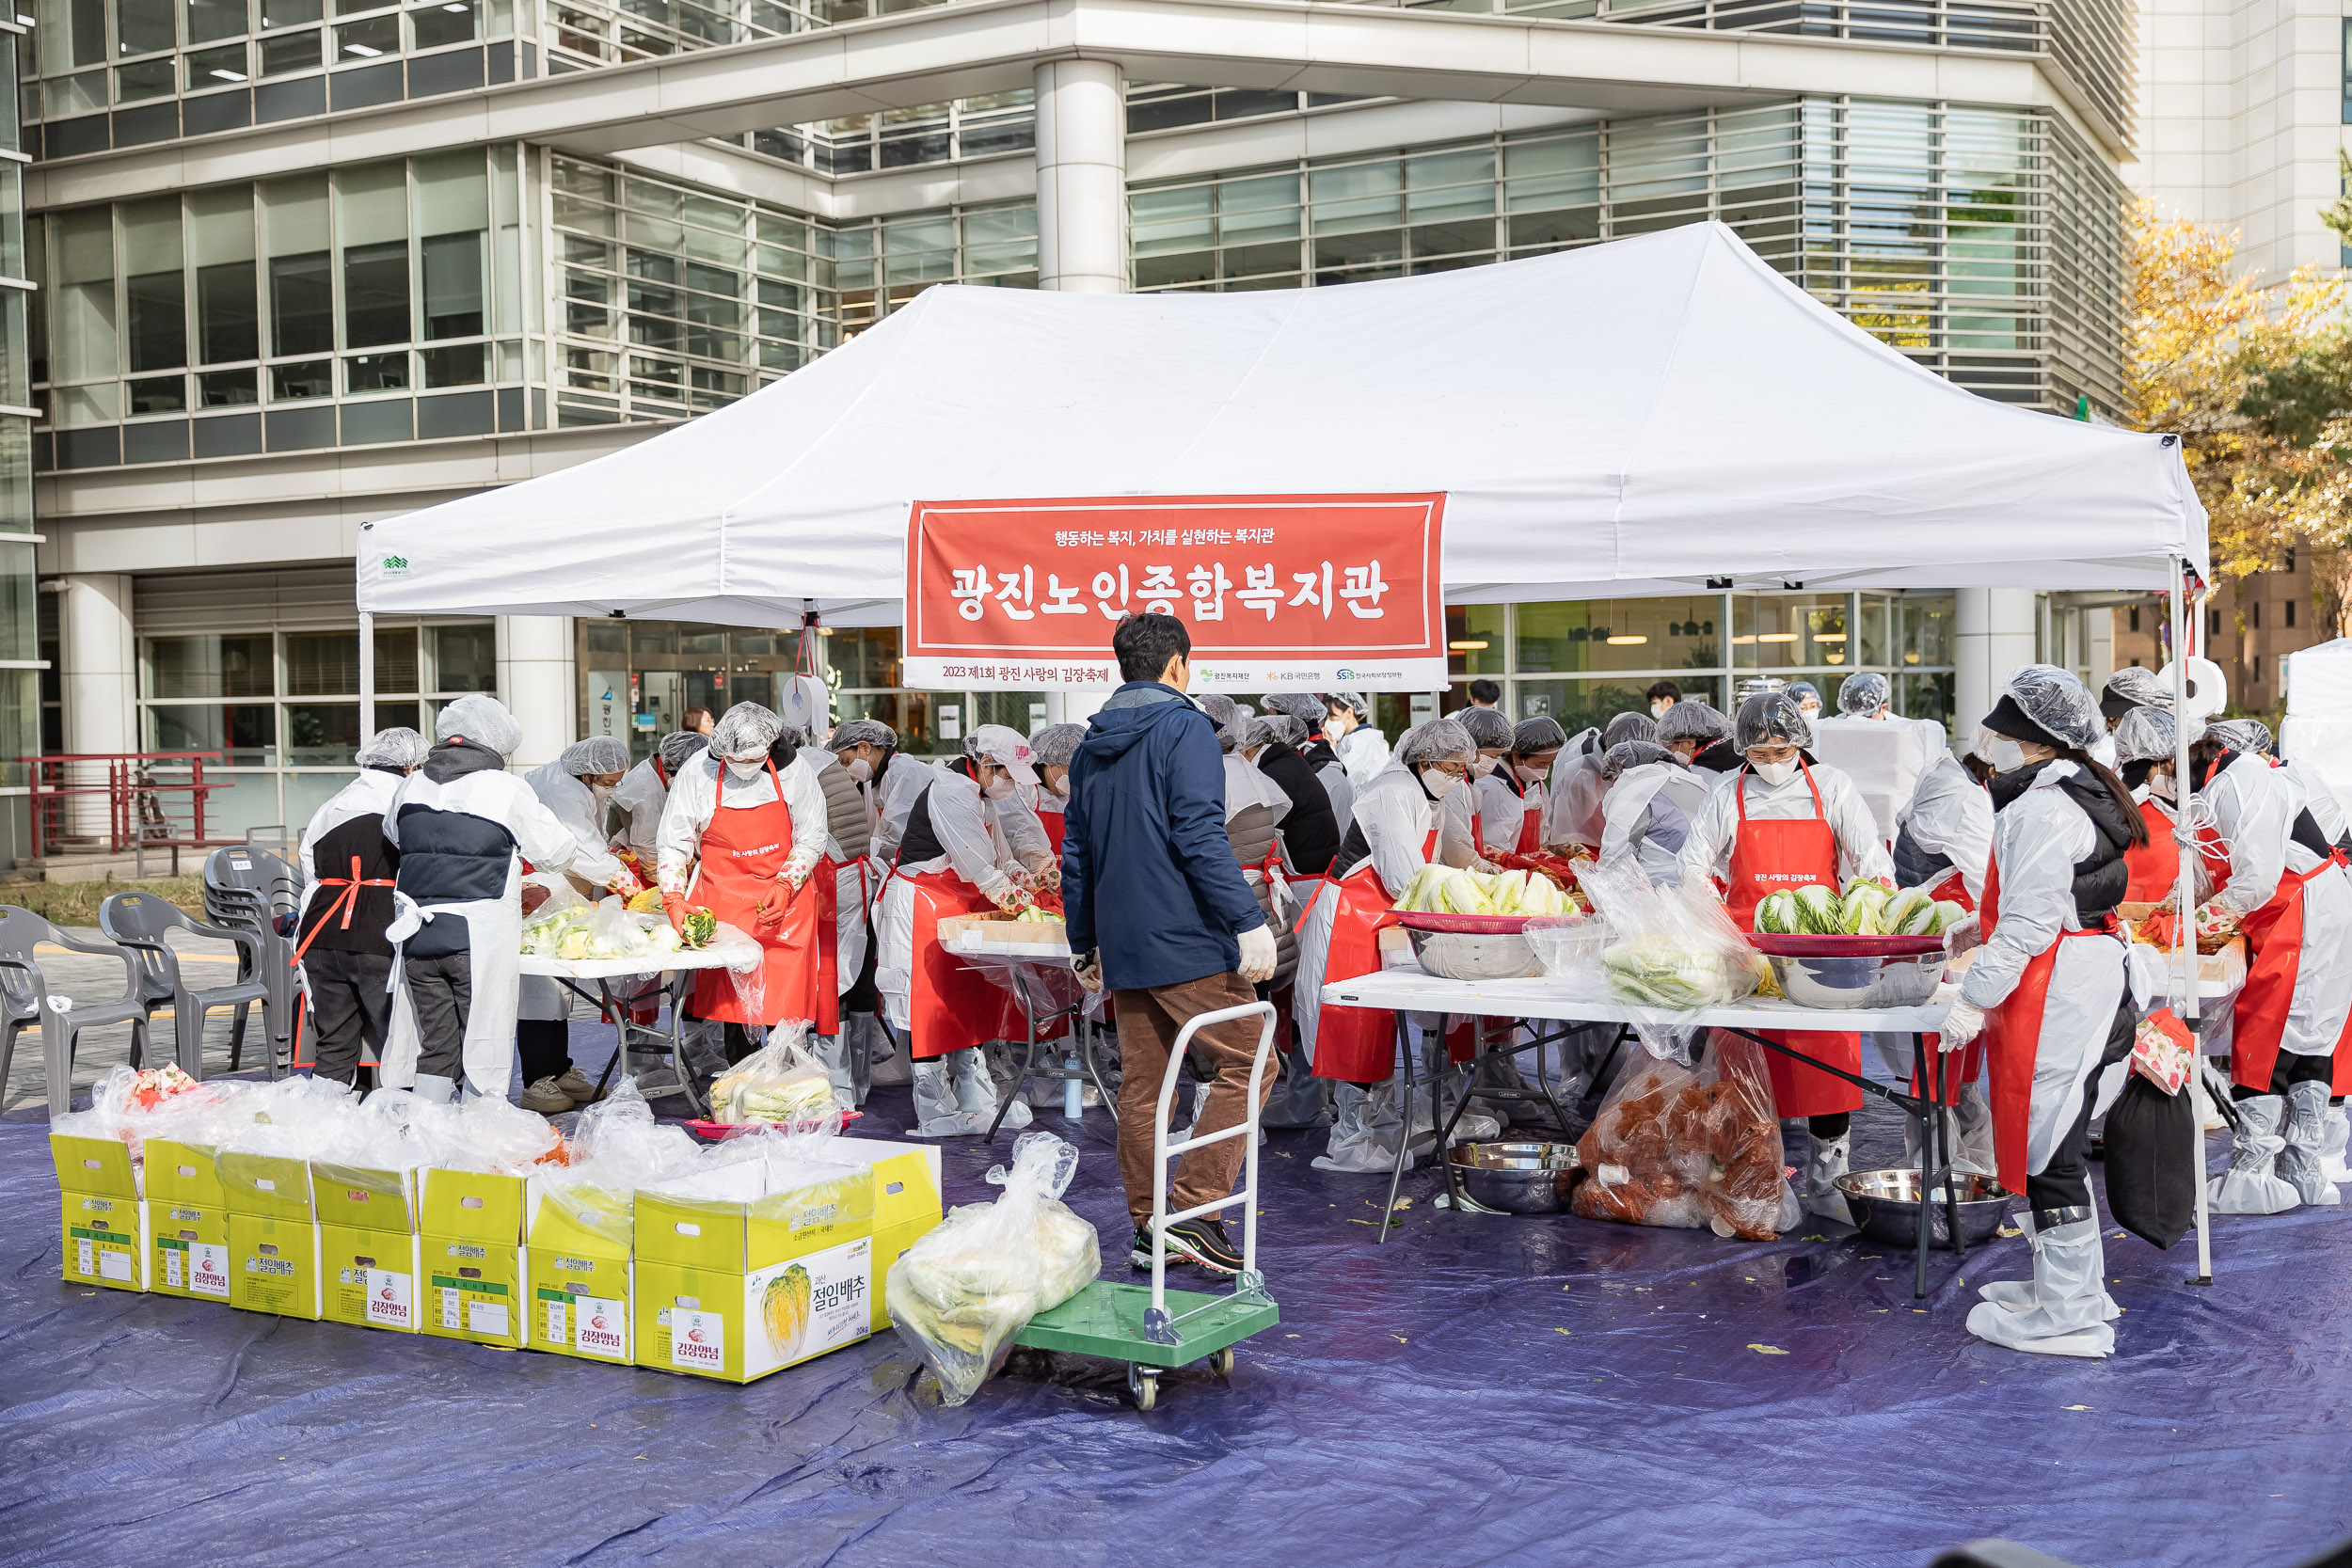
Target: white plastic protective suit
x,y
2254,807
1883,757
1500,811
696,793
890,800
641,795
1646,817
1860,853
1572,794
2318,799
575,806
1951,816
1363,752
369,795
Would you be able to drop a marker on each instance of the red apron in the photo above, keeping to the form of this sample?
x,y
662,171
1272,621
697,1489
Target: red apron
x,y
743,851
2012,1042
824,879
2155,865
1055,828
1531,821
2274,933
1357,1045
346,903
1778,857
951,1004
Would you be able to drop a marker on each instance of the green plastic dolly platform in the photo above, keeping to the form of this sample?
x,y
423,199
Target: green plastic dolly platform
x,y
1154,1329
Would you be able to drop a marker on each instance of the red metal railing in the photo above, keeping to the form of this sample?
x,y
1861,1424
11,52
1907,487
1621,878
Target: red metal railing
x,y
116,798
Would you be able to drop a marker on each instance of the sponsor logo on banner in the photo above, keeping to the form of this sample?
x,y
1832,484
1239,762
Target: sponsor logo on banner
x,y
1026,594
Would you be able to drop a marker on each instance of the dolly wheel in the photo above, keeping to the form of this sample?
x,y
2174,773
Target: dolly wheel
x,y
1143,1386
1222,1362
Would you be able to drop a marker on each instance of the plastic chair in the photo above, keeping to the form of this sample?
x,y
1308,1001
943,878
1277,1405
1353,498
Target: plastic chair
x,y
248,888
139,923
26,1002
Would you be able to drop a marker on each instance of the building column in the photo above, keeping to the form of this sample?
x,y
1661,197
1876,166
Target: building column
x,y
536,681
1995,636
1081,177
99,677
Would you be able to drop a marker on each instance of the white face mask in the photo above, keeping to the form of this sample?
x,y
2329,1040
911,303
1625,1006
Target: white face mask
x,y
1811,710
1439,784
1061,786
1333,729
997,789
2005,754
601,793
1483,767
1528,774
1658,710
1775,773
2160,785
858,768
744,772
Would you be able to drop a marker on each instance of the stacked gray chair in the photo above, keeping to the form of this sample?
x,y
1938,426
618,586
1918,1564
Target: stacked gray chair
x,y
248,888
27,1002
139,923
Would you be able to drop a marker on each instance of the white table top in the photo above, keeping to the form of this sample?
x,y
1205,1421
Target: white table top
x,y
1409,990
615,969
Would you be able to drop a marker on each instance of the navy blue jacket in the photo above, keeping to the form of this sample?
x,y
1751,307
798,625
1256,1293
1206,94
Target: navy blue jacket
x,y
1148,877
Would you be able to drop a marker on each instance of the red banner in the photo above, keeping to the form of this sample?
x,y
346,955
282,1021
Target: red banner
x,y
1276,591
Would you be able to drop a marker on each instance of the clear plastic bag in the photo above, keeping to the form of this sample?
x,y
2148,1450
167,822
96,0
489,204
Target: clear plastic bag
x,y
1673,951
1689,1147
959,1295
780,1084
615,1147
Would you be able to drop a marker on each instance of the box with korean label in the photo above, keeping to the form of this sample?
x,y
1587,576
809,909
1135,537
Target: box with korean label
x,y
273,1238
575,1258
906,1202
470,1234
102,1218
749,1269
187,1218
367,1244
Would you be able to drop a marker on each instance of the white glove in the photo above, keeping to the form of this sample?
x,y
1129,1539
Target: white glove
x,y
1965,1022
1002,893
1965,935
1258,953
1089,971
796,871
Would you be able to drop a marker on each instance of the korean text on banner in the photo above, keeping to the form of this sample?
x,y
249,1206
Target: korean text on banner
x,y
1278,590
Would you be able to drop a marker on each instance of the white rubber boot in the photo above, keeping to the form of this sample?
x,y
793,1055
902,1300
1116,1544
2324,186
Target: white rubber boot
x,y
2251,1184
2070,1307
2302,1164
1824,1163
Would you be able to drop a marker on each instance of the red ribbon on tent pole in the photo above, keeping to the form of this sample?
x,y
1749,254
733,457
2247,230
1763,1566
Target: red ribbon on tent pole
x,y
1276,591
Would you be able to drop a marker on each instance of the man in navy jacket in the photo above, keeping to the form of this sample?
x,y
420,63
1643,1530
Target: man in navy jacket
x,y
1157,907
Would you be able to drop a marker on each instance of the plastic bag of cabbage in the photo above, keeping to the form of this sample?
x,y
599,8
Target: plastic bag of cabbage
x,y
1865,909
1445,890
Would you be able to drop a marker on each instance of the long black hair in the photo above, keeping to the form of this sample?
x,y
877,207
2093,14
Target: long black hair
x,y
2134,824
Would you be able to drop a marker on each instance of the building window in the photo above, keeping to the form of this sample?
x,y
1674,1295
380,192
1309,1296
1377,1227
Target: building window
x,y
2289,608
2135,617
2213,623
2254,613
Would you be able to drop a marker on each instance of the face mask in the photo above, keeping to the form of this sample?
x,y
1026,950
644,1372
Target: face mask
x,y
1811,710
1775,773
858,770
1529,775
1061,786
600,792
1483,767
1333,729
2005,754
1658,711
2160,785
1439,784
744,772
998,789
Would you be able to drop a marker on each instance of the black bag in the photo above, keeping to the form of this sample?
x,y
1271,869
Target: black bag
x,y
2152,1175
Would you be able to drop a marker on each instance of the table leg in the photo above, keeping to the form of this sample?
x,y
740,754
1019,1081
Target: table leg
x,y
1405,1137
1029,1060
1926,1118
1094,1067
1948,1162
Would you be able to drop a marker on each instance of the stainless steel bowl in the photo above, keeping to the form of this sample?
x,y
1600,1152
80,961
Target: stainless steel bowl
x,y
1868,982
1460,956
1518,1178
1885,1205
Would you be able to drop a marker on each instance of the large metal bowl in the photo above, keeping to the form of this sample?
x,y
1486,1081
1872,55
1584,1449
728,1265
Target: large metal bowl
x,y
1885,1205
1857,982
1518,1178
1460,956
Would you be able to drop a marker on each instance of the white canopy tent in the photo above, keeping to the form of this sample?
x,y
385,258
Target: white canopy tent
x,y
2318,727
1646,416
1649,416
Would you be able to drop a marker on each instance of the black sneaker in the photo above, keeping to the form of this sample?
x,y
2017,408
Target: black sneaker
x,y
1200,1241
1139,1250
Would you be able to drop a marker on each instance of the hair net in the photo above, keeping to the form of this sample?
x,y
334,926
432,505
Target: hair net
x,y
1801,690
2136,686
2250,735
1439,740
1004,745
2147,734
482,720
745,733
1627,754
1630,726
2058,703
597,754
679,747
1227,715
393,748
1863,695
1352,700
1287,729
1265,732
1305,706
1055,744
862,732
1540,733
1691,720
1490,729
787,745
1772,718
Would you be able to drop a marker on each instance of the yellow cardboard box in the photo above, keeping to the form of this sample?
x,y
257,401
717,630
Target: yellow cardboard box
x,y
751,1268
370,1277
906,1203
470,1226
274,1264
102,1217
577,1264
187,1220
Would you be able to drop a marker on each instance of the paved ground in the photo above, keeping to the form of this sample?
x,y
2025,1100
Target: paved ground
x,y
93,981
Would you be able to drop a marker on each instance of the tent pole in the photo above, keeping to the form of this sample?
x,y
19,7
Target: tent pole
x,y
2184,894
367,677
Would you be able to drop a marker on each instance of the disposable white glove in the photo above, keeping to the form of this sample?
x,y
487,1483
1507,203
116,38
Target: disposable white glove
x,y
1258,953
1002,893
1965,1022
1089,971
1964,935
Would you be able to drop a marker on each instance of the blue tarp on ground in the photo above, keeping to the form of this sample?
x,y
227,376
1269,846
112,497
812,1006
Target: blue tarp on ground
x,y
1479,1389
